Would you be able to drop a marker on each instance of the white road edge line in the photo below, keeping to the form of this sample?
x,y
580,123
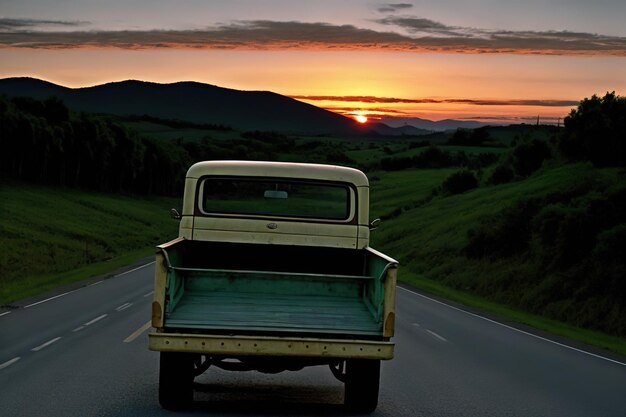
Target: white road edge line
x,y
123,307
9,363
149,294
516,330
5,313
49,299
78,329
96,283
48,343
89,323
443,339
135,269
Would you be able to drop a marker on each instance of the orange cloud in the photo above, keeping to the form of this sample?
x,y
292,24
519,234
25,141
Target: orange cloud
x,y
478,102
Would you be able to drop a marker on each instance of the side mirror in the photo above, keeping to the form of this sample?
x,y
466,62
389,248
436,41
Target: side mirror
x,y
174,214
374,224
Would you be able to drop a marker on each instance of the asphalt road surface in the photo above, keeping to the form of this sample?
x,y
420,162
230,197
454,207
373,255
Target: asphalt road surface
x,y
83,352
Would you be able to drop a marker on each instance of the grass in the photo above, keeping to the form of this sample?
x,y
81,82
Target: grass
x,y
590,337
47,232
36,284
428,239
403,189
440,227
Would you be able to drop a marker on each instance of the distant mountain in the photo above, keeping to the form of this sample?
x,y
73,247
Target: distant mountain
x,y
193,102
406,130
433,126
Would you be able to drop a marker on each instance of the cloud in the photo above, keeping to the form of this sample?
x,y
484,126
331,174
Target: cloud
x,y
423,35
394,7
7,24
368,110
477,40
477,102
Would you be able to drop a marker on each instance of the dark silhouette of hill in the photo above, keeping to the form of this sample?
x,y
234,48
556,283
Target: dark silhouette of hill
x,y
385,130
193,102
434,126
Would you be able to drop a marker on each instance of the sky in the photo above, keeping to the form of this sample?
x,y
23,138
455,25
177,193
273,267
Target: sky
x,y
490,60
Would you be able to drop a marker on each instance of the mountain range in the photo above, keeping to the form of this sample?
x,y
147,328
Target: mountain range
x,y
209,104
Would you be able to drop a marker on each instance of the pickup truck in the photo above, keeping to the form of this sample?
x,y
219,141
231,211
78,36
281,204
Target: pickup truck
x,y
272,271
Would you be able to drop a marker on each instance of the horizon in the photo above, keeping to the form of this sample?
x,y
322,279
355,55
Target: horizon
x,y
384,61
390,121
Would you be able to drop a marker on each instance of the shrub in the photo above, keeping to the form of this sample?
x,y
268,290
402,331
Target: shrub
x,y
459,182
529,156
505,234
501,175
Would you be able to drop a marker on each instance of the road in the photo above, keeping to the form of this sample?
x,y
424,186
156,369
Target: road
x,y
84,353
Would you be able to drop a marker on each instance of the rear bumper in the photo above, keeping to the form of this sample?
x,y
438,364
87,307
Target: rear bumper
x,y
270,346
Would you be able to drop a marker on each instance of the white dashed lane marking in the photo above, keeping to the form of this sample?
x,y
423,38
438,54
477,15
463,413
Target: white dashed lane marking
x,y
89,323
8,363
45,345
123,307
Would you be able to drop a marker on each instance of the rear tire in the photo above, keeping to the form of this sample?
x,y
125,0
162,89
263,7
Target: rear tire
x,y
176,373
362,385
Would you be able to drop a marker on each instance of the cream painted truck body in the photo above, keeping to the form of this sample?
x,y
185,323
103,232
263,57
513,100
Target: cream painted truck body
x,y
272,271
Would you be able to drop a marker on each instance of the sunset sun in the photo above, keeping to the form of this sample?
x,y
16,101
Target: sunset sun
x,y
360,118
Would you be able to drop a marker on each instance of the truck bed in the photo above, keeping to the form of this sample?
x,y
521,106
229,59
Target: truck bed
x,y
293,298
274,314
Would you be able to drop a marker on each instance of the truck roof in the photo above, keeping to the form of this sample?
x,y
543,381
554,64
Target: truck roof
x,y
280,170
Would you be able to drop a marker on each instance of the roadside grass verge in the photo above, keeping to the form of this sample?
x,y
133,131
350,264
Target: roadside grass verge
x,y
48,231
589,337
37,284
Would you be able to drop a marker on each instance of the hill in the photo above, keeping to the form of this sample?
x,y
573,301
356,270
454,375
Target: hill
x,y
547,244
192,102
430,125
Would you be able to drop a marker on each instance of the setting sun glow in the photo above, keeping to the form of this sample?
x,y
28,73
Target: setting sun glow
x,y
360,118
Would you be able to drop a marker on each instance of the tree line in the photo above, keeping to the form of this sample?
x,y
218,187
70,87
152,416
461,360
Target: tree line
x,y
44,142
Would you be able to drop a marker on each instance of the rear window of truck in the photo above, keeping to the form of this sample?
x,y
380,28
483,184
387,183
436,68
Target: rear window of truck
x,y
276,198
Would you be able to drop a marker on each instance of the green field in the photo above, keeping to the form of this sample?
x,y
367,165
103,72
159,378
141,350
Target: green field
x,y
46,232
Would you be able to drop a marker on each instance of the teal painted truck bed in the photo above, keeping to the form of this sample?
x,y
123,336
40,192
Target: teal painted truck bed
x,y
289,291
273,313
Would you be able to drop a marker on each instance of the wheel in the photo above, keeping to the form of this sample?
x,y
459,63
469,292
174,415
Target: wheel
x,y
176,373
362,384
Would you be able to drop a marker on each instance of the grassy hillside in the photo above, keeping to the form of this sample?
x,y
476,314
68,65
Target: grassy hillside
x,y
431,240
46,231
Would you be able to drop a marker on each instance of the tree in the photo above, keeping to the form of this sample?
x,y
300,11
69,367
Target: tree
x,y
596,131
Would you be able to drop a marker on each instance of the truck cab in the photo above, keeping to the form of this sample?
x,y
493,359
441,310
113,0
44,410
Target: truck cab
x,y
276,203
